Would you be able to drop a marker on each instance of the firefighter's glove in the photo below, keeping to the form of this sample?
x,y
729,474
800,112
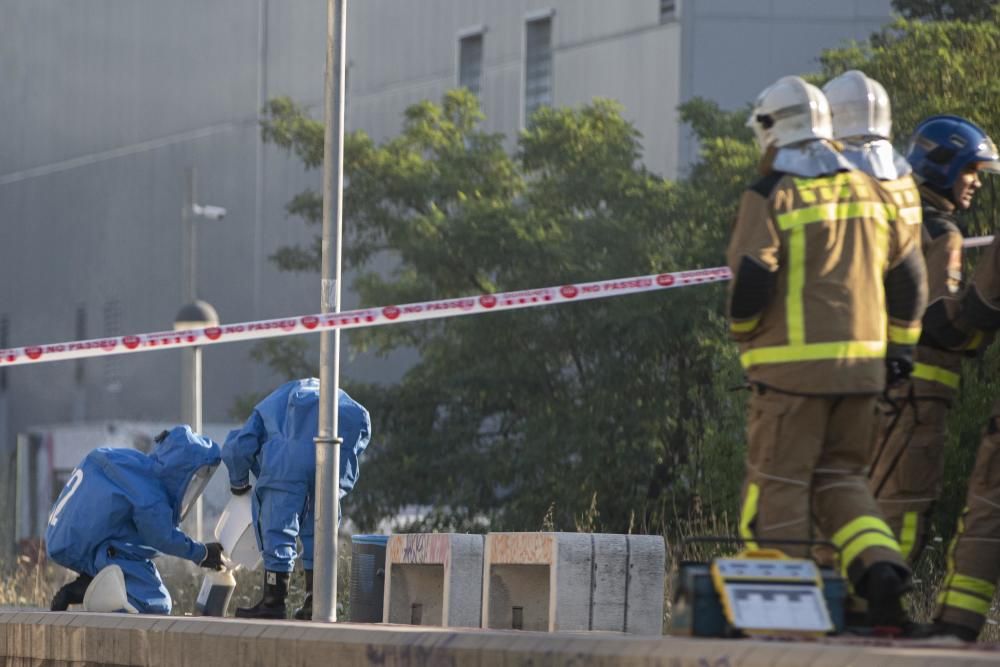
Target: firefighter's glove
x,y
213,556
897,369
239,490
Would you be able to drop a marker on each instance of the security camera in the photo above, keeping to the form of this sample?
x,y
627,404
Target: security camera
x,y
209,212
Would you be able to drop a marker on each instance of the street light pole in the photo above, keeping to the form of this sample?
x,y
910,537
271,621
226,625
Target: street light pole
x,y
194,314
327,502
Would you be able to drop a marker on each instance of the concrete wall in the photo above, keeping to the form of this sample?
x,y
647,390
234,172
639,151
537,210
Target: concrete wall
x,y
732,49
600,49
47,638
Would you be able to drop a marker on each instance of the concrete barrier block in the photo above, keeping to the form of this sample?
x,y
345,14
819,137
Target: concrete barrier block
x,y
574,581
537,581
646,576
610,572
433,579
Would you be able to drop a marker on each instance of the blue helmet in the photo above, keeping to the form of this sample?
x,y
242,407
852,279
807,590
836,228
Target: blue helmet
x,y
944,146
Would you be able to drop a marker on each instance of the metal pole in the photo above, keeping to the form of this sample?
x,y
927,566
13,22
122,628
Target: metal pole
x,y
196,427
327,499
191,368
187,223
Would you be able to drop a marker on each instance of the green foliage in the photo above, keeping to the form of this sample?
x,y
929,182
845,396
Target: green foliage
x,y
600,414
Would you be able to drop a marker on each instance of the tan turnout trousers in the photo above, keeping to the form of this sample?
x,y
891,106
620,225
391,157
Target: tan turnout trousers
x,y
908,463
806,467
974,553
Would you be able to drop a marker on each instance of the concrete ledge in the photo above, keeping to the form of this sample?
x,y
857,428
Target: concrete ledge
x,y
46,638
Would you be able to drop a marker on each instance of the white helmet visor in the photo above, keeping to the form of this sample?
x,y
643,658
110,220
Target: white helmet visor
x,y
199,480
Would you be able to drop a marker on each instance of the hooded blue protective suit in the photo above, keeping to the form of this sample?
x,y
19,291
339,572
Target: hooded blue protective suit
x,y
122,507
276,445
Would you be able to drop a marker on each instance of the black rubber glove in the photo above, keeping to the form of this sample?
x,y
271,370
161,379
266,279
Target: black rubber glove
x,y
239,490
897,369
213,556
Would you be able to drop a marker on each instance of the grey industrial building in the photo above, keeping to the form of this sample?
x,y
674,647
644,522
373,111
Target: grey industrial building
x,y
107,102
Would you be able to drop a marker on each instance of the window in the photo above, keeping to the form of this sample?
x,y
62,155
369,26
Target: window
x,y
668,10
537,65
470,61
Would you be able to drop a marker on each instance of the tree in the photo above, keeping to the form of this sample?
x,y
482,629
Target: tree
x,y
604,409
946,10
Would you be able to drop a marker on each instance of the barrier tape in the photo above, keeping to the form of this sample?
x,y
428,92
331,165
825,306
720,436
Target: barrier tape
x,y
355,319
371,317
977,242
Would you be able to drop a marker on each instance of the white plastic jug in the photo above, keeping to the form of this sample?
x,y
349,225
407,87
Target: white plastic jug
x,y
235,532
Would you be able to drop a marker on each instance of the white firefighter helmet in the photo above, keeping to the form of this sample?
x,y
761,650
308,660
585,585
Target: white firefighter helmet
x,y
860,106
106,593
788,111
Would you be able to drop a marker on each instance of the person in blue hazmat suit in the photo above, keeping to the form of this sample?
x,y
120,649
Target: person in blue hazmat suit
x,y
276,445
123,507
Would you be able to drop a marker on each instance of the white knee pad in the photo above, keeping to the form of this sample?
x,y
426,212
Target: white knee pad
x,y
106,593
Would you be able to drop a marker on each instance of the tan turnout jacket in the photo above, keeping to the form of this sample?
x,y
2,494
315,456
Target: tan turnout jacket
x,y
830,241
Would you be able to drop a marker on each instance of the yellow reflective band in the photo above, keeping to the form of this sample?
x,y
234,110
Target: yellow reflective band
x,y
980,587
904,335
908,534
834,211
950,555
743,327
936,374
880,264
975,341
796,281
966,602
780,354
748,513
911,215
857,526
863,542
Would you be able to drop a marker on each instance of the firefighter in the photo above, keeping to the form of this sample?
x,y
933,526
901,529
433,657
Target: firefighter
x,y
974,555
277,445
828,287
946,153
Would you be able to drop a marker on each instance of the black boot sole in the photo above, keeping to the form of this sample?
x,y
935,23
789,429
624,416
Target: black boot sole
x,y
273,613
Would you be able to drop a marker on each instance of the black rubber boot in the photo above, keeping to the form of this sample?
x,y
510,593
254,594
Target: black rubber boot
x,y
305,612
272,605
966,634
884,586
71,593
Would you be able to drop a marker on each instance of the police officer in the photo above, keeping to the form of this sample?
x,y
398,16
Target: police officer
x,y
828,290
122,508
277,445
946,153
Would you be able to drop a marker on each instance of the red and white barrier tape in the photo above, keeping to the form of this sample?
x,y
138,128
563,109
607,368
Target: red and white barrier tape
x,y
371,317
354,319
977,242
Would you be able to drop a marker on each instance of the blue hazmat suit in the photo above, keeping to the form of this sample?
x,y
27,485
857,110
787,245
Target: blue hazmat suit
x,y
276,445
122,507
